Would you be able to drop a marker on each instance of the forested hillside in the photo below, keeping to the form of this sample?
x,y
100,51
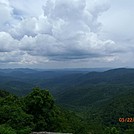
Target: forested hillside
x,y
36,112
102,102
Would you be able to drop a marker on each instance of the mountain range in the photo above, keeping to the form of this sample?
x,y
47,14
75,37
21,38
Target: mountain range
x,y
102,96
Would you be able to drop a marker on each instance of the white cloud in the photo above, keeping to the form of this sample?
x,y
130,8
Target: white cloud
x,y
5,14
27,8
24,27
54,30
7,43
118,21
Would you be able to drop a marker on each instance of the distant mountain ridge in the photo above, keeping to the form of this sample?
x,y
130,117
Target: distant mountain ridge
x,y
59,81
97,96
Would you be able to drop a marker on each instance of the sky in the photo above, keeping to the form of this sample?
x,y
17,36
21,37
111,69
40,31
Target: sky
x,y
66,33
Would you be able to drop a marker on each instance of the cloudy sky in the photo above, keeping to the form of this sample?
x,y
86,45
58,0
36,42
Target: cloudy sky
x,y
66,33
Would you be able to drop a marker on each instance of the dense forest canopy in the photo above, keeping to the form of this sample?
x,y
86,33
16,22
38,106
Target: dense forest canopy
x,y
35,112
77,102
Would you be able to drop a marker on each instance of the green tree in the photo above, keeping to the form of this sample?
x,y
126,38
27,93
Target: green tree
x,y
112,130
40,104
12,114
129,131
4,129
37,112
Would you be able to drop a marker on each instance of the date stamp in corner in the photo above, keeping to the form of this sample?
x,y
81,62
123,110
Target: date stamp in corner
x,y
130,120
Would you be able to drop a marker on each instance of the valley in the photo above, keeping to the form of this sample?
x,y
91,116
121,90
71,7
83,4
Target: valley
x,y
99,97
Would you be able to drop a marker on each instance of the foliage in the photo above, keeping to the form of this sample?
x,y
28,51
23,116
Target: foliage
x,y
112,130
12,114
3,93
4,129
36,112
98,100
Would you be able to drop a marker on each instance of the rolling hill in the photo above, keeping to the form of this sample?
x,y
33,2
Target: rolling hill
x,y
101,97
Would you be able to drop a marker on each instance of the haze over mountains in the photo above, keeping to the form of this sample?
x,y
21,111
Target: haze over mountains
x,y
21,80
25,78
68,83
96,95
